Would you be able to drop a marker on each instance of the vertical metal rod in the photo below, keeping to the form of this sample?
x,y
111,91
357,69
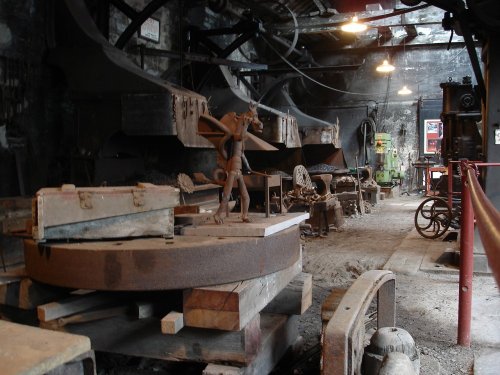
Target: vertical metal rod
x,y
361,207
450,184
141,50
466,263
364,143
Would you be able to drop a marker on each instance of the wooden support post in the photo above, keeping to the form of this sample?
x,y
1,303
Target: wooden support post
x,y
295,299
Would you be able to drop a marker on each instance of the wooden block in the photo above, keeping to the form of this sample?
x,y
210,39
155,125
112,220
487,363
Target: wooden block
x,y
295,299
186,209
14,213
32,293
9,290
212,369
31,350
231,306
277,337
172,323
70,306
144,310
108,212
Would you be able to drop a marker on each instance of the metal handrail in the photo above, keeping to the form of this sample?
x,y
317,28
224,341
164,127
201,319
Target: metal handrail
x,y
475,203
487,220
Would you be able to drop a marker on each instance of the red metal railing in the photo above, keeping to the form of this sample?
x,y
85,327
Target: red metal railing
x,y
474,203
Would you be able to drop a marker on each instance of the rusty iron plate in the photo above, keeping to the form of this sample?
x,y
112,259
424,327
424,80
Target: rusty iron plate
x,y
160,264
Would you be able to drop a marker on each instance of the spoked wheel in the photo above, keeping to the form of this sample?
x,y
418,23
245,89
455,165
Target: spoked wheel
x,y
433,217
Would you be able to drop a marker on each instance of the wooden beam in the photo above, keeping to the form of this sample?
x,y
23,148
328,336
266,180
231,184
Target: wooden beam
x,y
295,299
213,369
143,338
26,294
231,306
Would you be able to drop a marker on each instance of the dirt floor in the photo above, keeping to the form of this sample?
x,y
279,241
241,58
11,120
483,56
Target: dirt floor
x,y
426,301
426,297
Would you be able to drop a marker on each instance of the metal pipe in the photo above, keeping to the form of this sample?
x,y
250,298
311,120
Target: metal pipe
x,y
466,263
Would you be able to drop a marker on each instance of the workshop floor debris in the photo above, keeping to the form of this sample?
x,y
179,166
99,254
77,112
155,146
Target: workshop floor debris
x,y
426,291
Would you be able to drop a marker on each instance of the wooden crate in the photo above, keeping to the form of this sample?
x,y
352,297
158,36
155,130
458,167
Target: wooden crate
x,y
105,212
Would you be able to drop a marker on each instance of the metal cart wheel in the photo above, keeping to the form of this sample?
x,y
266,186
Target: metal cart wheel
x,y
433,217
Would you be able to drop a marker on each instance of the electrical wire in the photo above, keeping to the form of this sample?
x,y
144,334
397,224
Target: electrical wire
x,y
312,79
350,92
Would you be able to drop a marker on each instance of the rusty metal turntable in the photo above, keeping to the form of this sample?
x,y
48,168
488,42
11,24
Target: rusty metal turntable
x,y
159,263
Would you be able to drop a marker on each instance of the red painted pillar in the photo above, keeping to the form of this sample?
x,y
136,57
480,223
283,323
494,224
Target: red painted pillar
x,y
466,263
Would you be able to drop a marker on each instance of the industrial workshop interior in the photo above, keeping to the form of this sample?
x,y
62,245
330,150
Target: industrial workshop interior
x,y
236,187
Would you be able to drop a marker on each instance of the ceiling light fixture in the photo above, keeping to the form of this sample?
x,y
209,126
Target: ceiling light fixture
x,y
354,26
385,67
404,91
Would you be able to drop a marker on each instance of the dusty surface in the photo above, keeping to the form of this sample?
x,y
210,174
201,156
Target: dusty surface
x,y
426,302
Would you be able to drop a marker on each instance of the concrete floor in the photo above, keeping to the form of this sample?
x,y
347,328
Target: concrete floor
x,y
427,291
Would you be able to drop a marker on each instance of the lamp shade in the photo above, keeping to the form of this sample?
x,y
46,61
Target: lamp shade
x,y
404,91
354,26
385,67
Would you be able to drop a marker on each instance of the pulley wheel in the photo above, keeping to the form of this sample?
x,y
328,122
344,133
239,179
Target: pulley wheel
x,y
301,177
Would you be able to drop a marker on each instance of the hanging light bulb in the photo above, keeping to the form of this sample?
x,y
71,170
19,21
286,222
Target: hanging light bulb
x,y
404,91
354,26
385,67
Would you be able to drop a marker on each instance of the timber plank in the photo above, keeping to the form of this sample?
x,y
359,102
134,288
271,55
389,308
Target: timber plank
x,y
260,226
70,306
231,306
143,338
213,369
